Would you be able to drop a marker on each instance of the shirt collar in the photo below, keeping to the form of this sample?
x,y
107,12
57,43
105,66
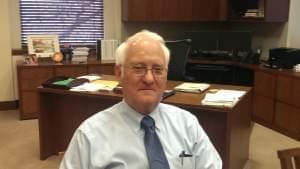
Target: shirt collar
x,y
134,118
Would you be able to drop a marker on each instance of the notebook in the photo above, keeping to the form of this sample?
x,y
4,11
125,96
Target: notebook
x,y
192,87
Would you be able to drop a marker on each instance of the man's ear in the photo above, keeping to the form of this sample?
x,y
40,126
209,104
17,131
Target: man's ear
x,y
118,72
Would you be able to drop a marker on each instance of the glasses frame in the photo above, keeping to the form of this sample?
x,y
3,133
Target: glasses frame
x,y
140,70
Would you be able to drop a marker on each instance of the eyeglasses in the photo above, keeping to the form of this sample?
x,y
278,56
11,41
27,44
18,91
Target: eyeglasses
x,y
141,70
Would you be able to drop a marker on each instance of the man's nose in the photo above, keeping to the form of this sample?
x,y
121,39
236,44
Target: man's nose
x,y
149,77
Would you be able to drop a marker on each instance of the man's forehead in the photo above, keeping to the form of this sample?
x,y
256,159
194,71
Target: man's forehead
x,y
142,40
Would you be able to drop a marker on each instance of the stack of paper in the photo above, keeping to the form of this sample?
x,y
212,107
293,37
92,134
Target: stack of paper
x,y
108,84
192,87
97,85
91,77
226,98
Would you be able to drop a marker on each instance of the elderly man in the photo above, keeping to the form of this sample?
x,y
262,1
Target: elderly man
x,y
140,132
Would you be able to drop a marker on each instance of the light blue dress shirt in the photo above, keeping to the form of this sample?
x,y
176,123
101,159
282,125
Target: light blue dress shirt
x,y
113,139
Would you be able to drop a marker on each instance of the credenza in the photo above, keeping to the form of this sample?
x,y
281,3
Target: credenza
x,y
277,100
276,96
30,76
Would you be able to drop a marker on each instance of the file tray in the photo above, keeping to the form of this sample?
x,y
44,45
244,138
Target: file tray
x,y
58,82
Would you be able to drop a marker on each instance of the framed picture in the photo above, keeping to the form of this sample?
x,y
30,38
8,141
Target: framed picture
x,y
43,45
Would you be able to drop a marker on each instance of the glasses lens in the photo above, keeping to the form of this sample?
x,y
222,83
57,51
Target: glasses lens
x,y
141,70
157,71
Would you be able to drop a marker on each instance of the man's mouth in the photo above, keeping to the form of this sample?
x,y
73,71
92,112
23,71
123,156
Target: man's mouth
x,y
147,89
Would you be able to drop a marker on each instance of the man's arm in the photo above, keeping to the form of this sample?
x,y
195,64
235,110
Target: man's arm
x,y
205,154
78,153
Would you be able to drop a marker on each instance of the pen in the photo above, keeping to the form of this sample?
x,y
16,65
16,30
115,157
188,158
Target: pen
x,y
182,155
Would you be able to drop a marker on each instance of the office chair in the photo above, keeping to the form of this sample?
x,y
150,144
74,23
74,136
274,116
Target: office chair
x,y
289,158
179,53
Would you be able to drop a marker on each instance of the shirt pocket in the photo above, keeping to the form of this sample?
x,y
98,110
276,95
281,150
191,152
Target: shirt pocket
x,y
182,163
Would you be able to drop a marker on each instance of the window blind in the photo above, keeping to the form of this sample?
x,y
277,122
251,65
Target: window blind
x,y
76,22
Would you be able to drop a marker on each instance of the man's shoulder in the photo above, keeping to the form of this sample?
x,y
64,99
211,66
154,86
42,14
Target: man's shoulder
x,y
174,111
100,119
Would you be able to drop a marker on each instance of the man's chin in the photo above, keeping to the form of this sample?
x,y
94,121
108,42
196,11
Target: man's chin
x,y
148,98
147,105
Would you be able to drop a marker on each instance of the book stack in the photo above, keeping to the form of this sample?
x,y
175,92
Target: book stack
x,y
192,87
80,54
255,13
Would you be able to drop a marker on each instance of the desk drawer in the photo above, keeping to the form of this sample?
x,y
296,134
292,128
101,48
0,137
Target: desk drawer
x,y
31,78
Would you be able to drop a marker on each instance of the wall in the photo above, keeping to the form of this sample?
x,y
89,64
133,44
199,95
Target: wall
x,y
6,89
112,26
293,38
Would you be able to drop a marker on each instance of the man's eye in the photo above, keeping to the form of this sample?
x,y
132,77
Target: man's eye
x,y
158,70
138,69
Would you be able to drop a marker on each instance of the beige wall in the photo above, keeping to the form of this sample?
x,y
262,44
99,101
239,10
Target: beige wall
x,y
293,38
265,35
112,26
6,80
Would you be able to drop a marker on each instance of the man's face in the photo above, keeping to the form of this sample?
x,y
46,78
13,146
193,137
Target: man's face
x,y
144,75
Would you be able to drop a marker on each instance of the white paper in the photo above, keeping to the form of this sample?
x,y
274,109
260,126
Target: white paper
x,y
226,98
90,77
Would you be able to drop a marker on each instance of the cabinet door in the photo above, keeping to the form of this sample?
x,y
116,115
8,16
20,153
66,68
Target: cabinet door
x,y
287,118
29,78
296,92
212,10
71,71
263,109
136,10
264,84
284,89
174,10
276,10
288,90
29,105
264,89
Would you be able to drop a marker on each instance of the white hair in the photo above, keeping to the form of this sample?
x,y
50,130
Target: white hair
x,y
121,51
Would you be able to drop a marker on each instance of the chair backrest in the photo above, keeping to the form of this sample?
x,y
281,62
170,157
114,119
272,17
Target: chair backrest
x,y
289,158
179,52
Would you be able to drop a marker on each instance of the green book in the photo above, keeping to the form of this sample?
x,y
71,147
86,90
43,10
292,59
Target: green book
x,y
63,82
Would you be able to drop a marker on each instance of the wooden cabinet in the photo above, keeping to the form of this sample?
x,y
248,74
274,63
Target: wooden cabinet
x,y
276,100
287,111
32,76
264,91
29,78
201,10
174,10
270,10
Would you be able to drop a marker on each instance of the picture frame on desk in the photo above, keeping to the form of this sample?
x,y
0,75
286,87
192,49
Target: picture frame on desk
x,y
43,46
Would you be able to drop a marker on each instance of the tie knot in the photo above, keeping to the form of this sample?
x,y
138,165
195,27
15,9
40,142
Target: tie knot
x,y
147,123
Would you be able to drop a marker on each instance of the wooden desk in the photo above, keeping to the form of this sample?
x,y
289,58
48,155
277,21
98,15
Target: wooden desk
x,y
229,129
30,76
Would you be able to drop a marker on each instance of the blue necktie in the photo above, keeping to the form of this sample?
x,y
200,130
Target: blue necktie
x,y
155,152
